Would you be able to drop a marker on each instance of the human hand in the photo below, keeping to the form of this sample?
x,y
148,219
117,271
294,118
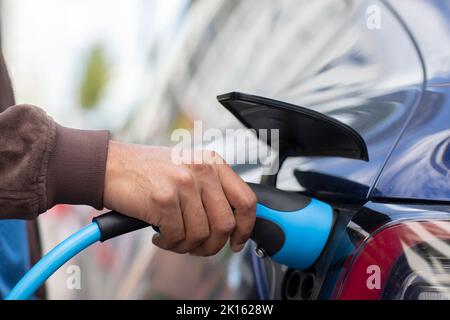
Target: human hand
x,y
197,206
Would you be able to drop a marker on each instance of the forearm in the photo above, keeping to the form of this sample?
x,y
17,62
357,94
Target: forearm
x,y
43,164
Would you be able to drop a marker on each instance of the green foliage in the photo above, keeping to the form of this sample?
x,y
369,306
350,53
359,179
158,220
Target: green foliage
x,y
95,78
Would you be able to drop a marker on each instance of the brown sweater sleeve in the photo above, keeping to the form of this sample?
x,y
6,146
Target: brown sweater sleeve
x,y
43,163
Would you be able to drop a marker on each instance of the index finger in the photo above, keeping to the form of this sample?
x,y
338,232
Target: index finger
x,y
243,201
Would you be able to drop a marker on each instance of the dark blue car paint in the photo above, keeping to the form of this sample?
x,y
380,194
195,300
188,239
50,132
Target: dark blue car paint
x,y
419,167
378,115
408,137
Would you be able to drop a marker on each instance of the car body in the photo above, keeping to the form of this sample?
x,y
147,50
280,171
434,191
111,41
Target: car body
x,y
391,237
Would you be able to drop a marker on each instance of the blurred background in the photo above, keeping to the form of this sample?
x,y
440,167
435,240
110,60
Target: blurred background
x,y
139,68
142,68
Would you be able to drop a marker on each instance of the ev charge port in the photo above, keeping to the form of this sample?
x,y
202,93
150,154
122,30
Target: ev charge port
x,y
299,285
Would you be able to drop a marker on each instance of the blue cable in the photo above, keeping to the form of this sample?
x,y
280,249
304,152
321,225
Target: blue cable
x,y
53,260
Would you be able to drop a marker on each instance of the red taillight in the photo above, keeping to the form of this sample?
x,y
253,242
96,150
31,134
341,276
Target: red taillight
x,y
369,268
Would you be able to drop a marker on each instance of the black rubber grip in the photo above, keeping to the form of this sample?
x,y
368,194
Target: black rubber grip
x,y
268,235
113,224
279,200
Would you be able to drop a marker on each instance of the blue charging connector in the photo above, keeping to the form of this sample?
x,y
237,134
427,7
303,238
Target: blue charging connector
x,y
290,228
305,233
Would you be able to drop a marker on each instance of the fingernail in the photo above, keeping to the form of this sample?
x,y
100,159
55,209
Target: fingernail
x,y
238,247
